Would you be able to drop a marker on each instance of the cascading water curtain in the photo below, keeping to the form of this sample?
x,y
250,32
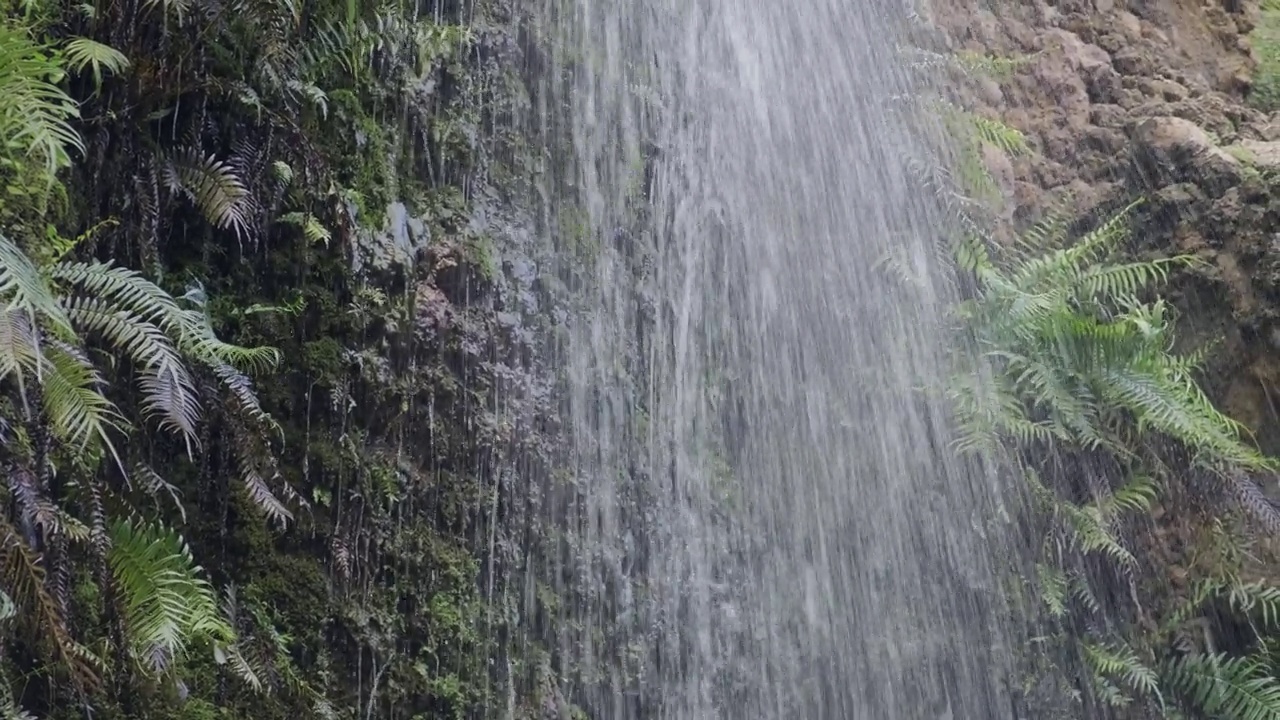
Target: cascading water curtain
x,y
771,524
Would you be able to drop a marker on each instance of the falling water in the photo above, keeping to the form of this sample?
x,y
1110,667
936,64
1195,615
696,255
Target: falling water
x,y
773,524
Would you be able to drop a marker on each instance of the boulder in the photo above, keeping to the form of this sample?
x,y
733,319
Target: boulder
x,y
1171,150
1263,154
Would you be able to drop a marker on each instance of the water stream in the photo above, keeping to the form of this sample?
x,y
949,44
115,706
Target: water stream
x,y
773,521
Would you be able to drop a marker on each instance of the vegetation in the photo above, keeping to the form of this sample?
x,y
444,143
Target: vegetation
x,y
193,528
193,191
1264,94
1069,382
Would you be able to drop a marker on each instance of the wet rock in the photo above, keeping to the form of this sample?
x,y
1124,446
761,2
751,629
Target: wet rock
x,y
1171,149
1129,24
1108,116
1134,60
1167,134
1166,89
1262,154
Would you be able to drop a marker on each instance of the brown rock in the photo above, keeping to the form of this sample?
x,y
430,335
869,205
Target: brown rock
x,y
1261,153
1108,116
1171,133
1171,149
1129,24
1133,60
1078,54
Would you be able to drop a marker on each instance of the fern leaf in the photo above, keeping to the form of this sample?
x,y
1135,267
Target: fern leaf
x,y
312,229
213,186
84,53
78,412
241,388
1053,589
1137,496
35,115
24,288
202,342
153,484
1121,661
1234,688
24,581
125,289
167,388
19,345
166,604
262,496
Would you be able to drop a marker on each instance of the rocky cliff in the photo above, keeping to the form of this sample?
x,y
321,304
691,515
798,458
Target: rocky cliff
x,y
1170,100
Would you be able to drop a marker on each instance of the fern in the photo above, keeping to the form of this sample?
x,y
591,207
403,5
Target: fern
x,y
1065,332
166,604
312,229
1122,662
85,53
1053,589
24,582
1235,688
35,115
213,186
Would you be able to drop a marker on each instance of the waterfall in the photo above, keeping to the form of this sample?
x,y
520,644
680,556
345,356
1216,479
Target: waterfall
x,y
771,523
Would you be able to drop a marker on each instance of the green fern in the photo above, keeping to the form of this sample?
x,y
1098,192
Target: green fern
x,y
213,186
35,115
312,229
1219,686
1077,353
87,53
1119,661
166,604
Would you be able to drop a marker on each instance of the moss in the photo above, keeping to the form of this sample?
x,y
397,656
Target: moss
x,y
295,588
1265,91
325,359
1241,153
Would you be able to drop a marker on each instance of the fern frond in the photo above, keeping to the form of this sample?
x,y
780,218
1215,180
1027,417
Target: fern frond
x,y
241,388
167,388
124,289
1137,495
213,186
203,343
1092,533
19,345
1053,589
1127,278
79,414
262,496
35,115
1219,686
312,229
85,52
1259,596
153,484
24,288
166,604
1122,662
24,581
999,135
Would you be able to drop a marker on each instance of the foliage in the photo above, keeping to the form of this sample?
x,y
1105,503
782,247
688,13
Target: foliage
x,y
239,177
1068,378
1264,92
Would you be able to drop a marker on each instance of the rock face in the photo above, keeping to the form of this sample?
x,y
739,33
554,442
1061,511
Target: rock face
x,y
1129,98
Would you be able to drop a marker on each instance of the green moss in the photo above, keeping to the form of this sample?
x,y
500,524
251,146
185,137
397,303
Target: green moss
x,y
481,254
1241,153
1265,93
325,359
